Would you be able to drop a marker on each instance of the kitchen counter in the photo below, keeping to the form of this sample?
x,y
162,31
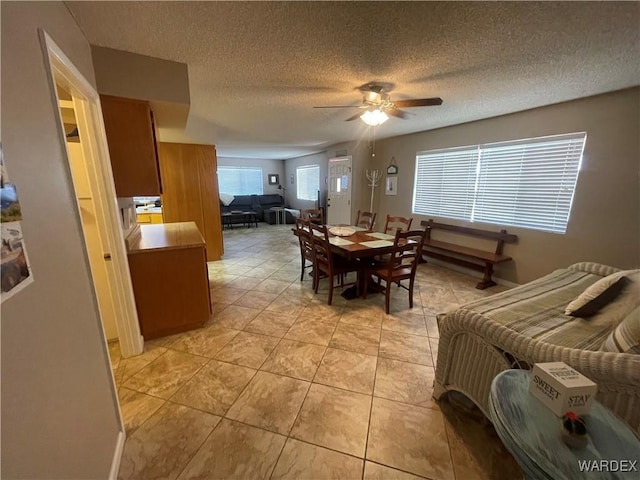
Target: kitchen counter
x,y
164,236
168,266
148,209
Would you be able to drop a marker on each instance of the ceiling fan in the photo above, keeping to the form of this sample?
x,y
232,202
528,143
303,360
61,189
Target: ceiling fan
x,y
378,105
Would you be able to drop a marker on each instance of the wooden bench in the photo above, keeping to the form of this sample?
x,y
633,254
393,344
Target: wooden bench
x,y
466,256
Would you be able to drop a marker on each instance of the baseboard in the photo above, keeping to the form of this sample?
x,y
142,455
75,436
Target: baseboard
x,y
117,456
470,272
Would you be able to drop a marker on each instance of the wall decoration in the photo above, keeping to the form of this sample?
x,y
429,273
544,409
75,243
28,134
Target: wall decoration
x,y
274,178
291,178
15,270
392,169
391,186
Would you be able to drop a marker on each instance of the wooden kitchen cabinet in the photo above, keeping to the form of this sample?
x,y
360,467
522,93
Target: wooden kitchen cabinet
x,y
190,190
169,276
132,146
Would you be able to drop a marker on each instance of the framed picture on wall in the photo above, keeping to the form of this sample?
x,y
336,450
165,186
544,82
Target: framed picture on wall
x,y
274,179
391,186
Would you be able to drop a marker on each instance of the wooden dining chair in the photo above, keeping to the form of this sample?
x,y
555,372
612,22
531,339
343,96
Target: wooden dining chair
x,y
401,265
313,215
325,262
366,220
397,223
306,248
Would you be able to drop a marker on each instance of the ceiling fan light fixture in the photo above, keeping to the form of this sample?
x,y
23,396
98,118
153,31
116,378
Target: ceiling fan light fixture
x,y
375,117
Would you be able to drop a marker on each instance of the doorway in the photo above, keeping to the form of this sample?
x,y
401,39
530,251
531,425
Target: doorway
x,y
339,196
83,129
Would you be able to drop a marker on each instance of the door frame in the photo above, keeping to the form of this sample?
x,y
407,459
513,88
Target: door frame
x,y
96,152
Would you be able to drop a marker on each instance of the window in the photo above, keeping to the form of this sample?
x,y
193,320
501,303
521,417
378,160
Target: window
x,y
527,183
240,180
308,182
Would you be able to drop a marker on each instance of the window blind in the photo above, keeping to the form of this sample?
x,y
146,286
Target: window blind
x,y
307,182
445,182
240,180
527,183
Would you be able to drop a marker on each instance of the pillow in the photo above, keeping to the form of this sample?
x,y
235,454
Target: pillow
x,y
226,199
601,293
626,337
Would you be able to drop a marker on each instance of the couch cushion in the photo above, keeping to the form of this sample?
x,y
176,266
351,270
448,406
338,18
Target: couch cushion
x,y
268,201
536,310
601,293
626,336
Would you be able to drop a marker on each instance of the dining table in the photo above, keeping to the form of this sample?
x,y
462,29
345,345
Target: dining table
x,y
357,243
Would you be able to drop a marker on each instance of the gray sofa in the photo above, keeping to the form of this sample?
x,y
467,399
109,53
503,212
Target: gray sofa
x,y
260,204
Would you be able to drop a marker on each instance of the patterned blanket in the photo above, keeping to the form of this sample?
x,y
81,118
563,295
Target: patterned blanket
x,y
536,310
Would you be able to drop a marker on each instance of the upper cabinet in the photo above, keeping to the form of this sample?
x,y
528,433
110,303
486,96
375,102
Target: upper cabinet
x,y
132,146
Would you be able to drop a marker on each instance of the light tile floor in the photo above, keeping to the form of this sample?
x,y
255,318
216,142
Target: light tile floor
x,y
280,385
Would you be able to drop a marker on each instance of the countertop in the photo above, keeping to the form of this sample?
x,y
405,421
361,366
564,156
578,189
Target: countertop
x,y
148,209
164,236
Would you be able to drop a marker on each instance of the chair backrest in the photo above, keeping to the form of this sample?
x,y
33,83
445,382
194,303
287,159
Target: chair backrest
x,y
321,247
304,235
407,250
394,224
366,220
314,216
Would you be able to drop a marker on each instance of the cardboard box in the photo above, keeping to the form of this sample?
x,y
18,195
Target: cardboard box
x,y
561,388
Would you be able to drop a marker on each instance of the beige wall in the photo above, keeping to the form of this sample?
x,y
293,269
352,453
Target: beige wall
x,y
360,158
59,410
126,74
291,164
605,220
268,166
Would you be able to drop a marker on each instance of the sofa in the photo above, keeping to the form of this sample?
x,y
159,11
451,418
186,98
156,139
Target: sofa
x,y
527,324
269,201
260,204
241,203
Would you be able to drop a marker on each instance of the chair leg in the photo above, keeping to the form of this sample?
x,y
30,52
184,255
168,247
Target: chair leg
x,y
330,290
387,295
302,271
411,293
316,279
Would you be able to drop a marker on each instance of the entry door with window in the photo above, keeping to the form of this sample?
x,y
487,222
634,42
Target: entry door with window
x,y
339,199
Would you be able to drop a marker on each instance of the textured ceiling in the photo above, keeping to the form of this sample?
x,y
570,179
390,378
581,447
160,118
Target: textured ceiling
x,y
257,68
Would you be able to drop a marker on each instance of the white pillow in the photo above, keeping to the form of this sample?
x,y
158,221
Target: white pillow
x,y
600,294
226,199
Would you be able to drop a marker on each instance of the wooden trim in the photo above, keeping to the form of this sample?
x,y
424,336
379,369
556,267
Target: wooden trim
x,y
476,232
117,456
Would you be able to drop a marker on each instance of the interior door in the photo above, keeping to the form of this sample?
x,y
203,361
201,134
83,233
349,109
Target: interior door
x,y
339,198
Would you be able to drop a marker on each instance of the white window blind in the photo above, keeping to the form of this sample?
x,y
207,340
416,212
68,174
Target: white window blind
x,y
240,180
307,182
445,182
527,183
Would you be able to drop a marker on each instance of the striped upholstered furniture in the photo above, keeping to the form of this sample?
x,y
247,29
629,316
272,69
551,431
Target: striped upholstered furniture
x,y
526,325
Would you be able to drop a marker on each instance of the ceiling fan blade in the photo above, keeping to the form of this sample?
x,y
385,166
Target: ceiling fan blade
x,y
418,102
340,106
394,112
357,115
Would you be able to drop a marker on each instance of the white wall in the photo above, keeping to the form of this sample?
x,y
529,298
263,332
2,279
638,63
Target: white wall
x,y
605,219
59,412
268,166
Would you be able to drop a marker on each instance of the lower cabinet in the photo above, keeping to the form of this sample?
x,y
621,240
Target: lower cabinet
x,y
170,280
